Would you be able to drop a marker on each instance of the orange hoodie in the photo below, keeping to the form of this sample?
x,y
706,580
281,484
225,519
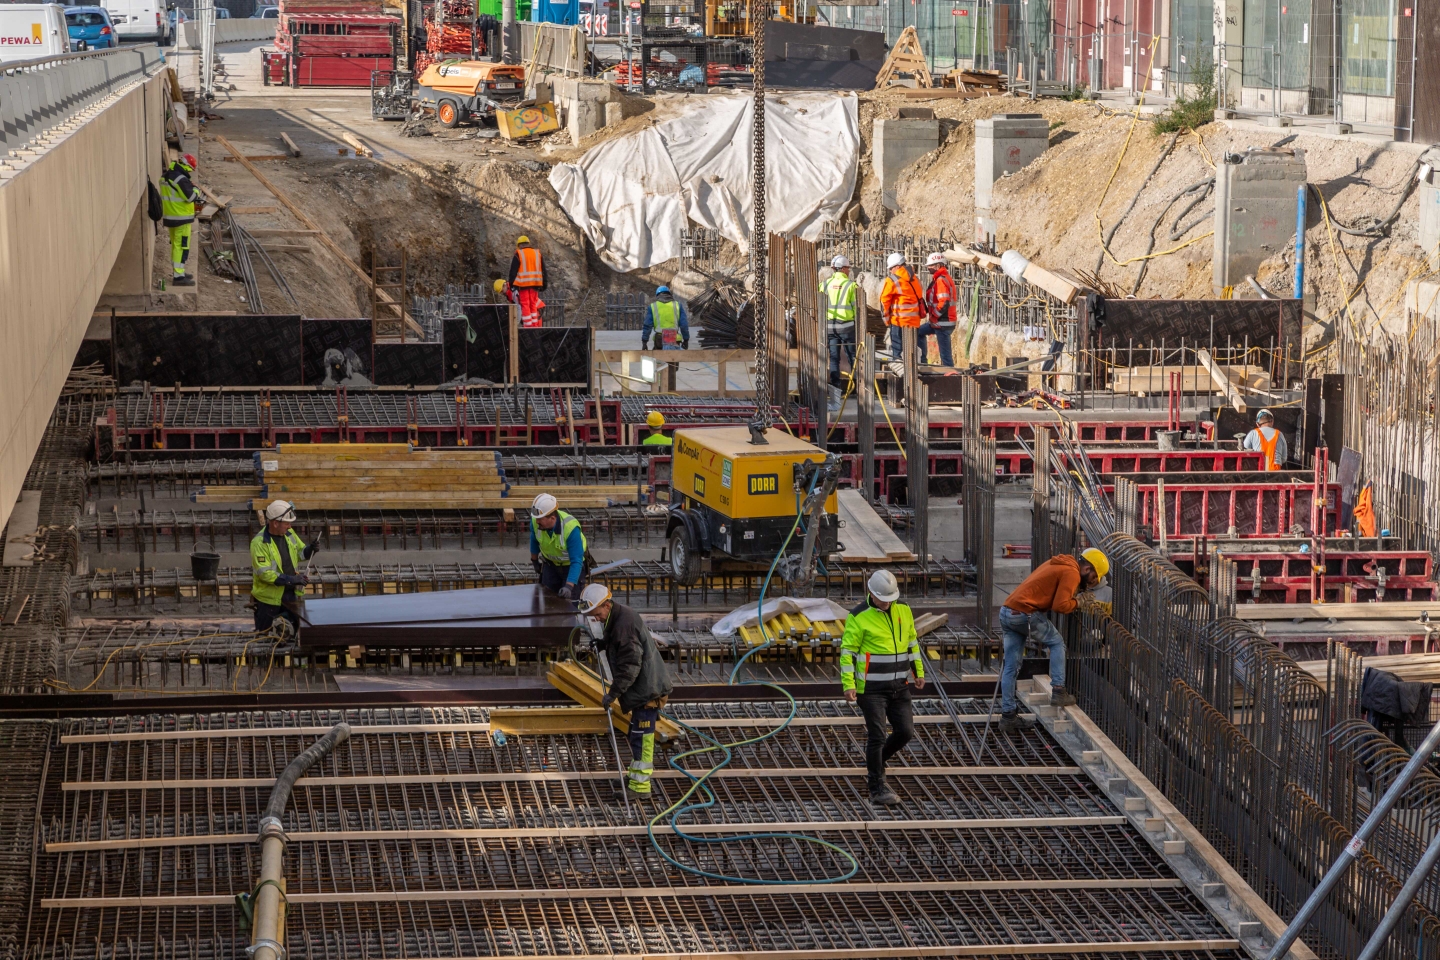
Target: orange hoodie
x,y
1052,586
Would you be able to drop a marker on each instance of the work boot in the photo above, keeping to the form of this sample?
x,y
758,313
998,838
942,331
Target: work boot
x,y
881,793
185,280
1014,723
1060,697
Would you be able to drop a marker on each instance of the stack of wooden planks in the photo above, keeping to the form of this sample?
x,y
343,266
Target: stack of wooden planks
x,y
585,688
1421,667
867,538
359,476
1156,379
227,493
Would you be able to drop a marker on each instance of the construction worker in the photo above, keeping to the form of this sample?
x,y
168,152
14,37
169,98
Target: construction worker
x,y
655,420
638,679
1267,441
878,653
557,547
275,556
668,318
503,292
178,198
901,301
1050,588
940,305
840,298
527,279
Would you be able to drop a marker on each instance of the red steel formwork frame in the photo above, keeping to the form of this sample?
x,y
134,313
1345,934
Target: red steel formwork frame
x,y
1350,576
1238,510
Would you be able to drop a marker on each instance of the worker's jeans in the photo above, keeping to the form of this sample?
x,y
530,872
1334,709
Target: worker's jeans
x,y
942,333
641,735
266,613
891,701
840,337
1017,629
554,577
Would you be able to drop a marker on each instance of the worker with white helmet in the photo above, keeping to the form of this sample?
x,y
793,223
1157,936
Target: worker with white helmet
x,y
276,552
901,300
840,293
637,677
1051,588
557,547
940,305
878,655
655,420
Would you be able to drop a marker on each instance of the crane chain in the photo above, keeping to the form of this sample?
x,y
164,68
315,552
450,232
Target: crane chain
x,y
759,12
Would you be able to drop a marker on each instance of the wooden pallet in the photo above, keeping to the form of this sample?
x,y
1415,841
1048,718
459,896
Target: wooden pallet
x,y
866,537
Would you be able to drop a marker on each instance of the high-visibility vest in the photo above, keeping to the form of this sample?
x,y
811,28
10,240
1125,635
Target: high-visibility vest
x,y
265,566
839,293
941,296
908,309
176,206
529,274
552,541
1267,447
879,646
656,439
665,315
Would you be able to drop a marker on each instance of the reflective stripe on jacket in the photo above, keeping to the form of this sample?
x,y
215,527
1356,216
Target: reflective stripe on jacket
x,y
178,196
940,297
839,293
902,299
553,542
879,646
265,566
530,273
665,314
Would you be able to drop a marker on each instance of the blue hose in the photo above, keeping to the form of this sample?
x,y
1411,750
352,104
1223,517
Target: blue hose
x,y
698,783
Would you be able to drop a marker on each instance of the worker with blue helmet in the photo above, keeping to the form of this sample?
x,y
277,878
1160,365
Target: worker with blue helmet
x,y
667,318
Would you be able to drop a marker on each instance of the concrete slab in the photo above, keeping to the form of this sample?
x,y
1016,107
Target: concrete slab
x,y
24,520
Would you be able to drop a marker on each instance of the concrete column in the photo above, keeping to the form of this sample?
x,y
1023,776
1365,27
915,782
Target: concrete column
x,y
896,145
1229,38
130,276
1005,144
1255,209
509,33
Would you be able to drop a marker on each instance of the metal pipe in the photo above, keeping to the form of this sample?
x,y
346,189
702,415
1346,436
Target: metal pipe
x,y
265,943
1357,843
1300,192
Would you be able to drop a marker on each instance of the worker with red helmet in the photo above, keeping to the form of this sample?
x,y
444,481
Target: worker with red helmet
x,y
178,198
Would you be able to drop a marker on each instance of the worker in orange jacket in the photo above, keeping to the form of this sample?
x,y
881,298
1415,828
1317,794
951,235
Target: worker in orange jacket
x,y
901,300
940,305
527,279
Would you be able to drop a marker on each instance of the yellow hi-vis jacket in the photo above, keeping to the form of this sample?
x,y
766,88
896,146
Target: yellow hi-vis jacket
x,y
879,646
265,566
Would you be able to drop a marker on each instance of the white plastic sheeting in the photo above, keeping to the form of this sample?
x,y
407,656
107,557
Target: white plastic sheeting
x,y
812,608
633,195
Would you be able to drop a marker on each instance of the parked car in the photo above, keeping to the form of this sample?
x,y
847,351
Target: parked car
x,y
138,19
266,13
29,31
90,28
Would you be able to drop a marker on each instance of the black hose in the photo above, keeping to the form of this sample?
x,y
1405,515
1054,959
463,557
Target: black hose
x,y
297,768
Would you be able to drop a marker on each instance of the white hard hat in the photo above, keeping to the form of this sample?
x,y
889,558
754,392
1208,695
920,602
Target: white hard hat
x,y
280,510
935,259
592,596
883,587
894,260
841,261
543,506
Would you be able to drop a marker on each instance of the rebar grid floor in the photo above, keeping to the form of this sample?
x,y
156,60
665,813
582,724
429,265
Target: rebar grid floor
x,y
423,837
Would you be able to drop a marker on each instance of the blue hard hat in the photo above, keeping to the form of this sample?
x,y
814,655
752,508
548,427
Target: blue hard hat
x,y
661,289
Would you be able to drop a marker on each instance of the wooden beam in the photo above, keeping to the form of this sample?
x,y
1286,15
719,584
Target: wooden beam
x,y
280,232
607,893
1221,380
1389,610
362,149
545,721
255,157
322,236
290,145
527,833
256,210
558,776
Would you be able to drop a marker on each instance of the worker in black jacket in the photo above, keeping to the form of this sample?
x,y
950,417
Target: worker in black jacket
x,y
639,680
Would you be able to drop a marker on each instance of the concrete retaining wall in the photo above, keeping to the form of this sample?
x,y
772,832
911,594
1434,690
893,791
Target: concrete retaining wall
x,y
64,219
229,31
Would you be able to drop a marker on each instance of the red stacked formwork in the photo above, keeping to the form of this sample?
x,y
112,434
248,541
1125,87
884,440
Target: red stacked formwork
x,y
450,33
332,43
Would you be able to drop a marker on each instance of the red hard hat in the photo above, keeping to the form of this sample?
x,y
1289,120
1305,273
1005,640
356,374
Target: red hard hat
x,y
190,161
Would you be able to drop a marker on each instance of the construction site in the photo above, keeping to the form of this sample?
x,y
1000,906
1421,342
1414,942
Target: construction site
x,y
717,481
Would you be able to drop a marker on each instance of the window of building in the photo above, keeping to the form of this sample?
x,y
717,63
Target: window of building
x,y
1367,46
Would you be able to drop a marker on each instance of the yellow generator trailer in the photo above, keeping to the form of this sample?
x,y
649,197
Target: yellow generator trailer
x,y
735,502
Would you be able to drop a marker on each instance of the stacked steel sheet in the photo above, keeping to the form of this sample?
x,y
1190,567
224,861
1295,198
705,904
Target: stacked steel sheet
x,y
331,43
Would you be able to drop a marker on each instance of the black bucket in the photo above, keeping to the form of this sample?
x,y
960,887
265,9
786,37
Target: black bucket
x,y
204,565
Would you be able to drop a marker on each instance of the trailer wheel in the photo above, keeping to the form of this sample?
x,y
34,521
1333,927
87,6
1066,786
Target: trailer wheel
x,y
449,113
684,561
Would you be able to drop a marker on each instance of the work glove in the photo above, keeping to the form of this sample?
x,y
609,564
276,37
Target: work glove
x,y
535,562
645,344
312,548
568,591
292,580
684,344
608,699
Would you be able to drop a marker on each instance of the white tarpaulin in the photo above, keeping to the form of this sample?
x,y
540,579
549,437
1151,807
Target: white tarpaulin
x,y
633,195
811,608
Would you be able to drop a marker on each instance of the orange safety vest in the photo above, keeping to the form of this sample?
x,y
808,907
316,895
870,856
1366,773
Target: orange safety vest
x,y
529,274
906,301
1267,448
941,297
1365,513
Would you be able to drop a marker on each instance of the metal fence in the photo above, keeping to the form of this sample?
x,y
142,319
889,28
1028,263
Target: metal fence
x,y
39,95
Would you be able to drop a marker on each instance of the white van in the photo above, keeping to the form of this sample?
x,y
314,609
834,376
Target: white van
x,y
29,31
139,19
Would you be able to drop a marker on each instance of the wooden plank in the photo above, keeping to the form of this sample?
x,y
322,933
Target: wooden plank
x,y
290,147
259,157
24,523
930,622
220,201
1057,286
606,893
1221,381
324,238
207,212
287,248
525,833
1388,610
254,210
279,232
860,516
548,721
16,609
1421,667
362,149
